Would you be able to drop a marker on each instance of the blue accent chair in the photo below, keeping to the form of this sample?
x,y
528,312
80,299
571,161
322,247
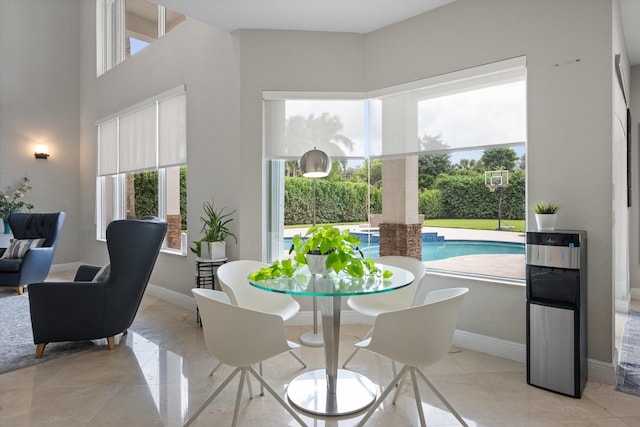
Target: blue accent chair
x,y
35,265
86,310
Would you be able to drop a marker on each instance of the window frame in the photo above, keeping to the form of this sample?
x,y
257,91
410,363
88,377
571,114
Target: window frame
x,y
118,188
487,75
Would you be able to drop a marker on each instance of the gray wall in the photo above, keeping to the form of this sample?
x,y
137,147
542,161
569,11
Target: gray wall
x,y
569,118
40,103
634,212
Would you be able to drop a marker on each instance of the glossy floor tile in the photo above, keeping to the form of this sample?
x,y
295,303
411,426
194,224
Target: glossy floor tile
x,y
158,375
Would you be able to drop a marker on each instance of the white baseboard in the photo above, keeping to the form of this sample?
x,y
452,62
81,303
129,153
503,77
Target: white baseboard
x,y
173,297
596,370
70,266
493,346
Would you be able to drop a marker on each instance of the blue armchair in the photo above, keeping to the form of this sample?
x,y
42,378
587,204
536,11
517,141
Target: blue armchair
x,y
35,264
87,310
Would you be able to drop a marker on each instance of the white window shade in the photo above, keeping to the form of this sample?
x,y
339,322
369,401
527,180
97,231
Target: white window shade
x,y
477,108
138,140
108,148
293,127
172,131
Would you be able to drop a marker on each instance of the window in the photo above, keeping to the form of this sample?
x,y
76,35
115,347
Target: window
x,y
125,27
456,127
142,166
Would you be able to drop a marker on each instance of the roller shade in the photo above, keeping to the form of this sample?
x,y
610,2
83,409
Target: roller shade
x,y
295,126
138,140
172,131
108,148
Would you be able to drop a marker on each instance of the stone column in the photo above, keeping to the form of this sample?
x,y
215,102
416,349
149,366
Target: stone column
x,y
400,230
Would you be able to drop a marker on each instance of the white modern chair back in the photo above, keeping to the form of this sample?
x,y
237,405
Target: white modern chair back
x,y
431,335
425,343
252,337
240,338
372,305
233,279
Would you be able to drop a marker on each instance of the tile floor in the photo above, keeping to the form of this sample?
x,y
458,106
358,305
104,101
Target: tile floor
x,y
158,375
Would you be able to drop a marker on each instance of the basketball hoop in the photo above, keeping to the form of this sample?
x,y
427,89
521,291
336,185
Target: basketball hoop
x,y
492,187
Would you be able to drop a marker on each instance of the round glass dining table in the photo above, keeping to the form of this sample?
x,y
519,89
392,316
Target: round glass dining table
x,y
332,391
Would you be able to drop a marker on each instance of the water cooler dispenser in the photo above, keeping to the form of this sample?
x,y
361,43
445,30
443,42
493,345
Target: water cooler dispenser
x,y
557,311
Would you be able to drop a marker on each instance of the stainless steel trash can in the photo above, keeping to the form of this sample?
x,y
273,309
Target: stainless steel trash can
x,y
557,311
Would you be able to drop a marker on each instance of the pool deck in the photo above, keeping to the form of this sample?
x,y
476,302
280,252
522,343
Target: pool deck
x,y
508,266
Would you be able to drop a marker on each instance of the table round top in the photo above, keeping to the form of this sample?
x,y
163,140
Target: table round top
x,y
304,283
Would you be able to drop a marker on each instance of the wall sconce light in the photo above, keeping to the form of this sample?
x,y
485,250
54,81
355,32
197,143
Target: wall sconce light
x,y
42,152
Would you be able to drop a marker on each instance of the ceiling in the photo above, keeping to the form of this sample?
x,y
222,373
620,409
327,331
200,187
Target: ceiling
x,y
353,16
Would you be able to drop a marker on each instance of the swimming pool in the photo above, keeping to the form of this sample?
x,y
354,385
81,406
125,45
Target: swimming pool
x,y
442,249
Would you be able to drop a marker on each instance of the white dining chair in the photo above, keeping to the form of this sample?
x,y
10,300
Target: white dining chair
x,y
251,337
233,279
416,347
375,304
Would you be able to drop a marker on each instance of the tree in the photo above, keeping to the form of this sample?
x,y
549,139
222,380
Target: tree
x,y
499,159
322,131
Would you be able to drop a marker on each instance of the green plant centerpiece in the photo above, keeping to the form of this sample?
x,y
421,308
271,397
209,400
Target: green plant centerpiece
x,y
546,208
214,227
339,247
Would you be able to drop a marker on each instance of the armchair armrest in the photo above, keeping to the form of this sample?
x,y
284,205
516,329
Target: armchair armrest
x,y
66,311
36,264
86,273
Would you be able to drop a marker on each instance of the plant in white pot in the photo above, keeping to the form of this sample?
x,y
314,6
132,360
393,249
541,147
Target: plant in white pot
x,y
546,214
214,227
324,249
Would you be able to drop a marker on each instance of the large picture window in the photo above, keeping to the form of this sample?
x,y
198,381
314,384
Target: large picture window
x,y
456,127
142,156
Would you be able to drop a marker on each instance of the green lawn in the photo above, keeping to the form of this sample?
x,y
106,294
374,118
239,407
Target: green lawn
x,y
473,224
477,224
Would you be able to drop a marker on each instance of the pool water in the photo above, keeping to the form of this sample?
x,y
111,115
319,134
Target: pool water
x,y
435,250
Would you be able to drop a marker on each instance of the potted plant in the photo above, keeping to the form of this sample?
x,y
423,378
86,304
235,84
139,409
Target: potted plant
x,y
11,202
324,249
214,227
546,214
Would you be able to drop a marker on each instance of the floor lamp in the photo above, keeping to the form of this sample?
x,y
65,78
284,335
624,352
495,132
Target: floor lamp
x,y
314,164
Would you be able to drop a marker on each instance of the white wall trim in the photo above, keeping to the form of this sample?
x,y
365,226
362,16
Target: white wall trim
x,y
70,266
635,293
173,297
494,346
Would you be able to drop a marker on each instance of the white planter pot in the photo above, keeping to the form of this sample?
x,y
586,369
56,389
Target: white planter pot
x,y
317,264
546,222
213,250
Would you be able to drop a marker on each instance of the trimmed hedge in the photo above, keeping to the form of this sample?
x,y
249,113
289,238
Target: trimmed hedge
x,y
455,196
336,201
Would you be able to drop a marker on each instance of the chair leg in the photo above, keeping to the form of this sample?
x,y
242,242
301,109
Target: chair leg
x,y
277,396
399,386
236,409
344,365
215,369
213,396
416,395
40,350
383,396
20,290
441,397
261,386
304,365
110,343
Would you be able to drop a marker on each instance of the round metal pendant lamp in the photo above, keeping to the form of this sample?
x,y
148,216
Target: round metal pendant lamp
x,y
314,164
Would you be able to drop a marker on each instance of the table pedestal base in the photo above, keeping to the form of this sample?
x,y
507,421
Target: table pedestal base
x,y
308,392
